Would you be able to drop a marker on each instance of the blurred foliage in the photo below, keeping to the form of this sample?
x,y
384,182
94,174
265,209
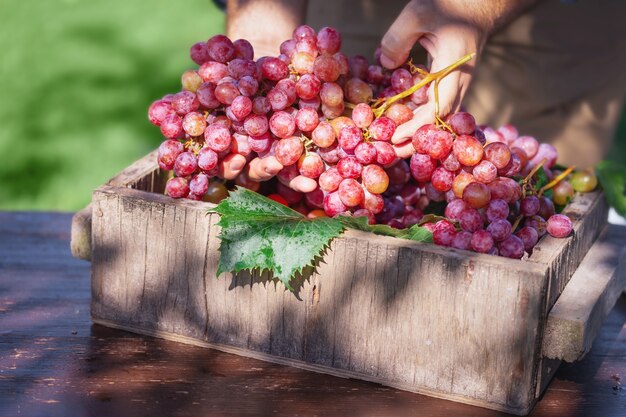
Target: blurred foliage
x,y
76,79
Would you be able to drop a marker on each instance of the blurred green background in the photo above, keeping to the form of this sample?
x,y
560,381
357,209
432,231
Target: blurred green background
x,y
76,79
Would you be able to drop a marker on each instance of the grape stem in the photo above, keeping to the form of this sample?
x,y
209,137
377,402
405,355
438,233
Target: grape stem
x,y
526,181
556,180
380,106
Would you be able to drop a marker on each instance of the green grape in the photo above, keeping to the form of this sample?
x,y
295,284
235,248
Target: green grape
x,y
584,181
563,192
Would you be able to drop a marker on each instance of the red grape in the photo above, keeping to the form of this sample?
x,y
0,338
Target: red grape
x,y
289,150
559,225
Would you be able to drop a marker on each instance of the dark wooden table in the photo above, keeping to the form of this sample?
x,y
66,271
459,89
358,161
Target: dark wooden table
x,y
55,362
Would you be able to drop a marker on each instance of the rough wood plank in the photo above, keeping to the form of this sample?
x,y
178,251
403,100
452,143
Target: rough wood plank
x,y
590,295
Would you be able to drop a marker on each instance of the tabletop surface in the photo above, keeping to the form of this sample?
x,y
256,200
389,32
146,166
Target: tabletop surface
x,y
55,362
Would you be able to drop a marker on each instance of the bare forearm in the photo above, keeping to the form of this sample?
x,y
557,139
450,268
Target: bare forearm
x,y
265,23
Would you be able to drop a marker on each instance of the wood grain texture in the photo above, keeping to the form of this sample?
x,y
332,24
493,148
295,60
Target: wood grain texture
x,y
590,295
54,362
446,322
373,310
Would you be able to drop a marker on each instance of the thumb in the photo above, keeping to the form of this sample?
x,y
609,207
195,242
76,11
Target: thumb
x,y
400,38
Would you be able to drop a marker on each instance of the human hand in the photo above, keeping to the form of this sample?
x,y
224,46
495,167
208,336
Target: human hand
x,y
448,30
262,169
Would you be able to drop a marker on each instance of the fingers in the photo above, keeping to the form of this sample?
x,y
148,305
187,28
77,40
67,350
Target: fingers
x,y
231,166
400,38
262,169
303,184
404,150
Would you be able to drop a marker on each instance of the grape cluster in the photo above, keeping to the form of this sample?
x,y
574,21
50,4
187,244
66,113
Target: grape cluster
x,y
310,108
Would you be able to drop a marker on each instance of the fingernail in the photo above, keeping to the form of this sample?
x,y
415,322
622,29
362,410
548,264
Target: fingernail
x,y
386,62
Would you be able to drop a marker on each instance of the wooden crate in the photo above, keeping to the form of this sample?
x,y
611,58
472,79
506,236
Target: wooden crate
x,y
443,322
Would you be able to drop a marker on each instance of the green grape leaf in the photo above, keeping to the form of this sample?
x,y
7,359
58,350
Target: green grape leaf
x,y
415,232
612,177
257,232
542,178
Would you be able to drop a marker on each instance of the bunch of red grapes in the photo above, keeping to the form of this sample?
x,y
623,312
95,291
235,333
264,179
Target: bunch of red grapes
x,y
310,108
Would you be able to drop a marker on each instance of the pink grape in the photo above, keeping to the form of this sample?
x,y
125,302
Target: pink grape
x,y
365,153
239,68
333,204
190,81
199,53
546,207
226,93
206,96
302,62
260,144
221,49
331,94
375,74
485,172
462,123
375,179
350,137
476,195
498,154
528,236
559,225
385,154
496,209
511,247
528,144
311,165
444,233
401,79
185,164
482,241
289,150
207,159
529,205
278,99
462,240
241,107
468,150
422,167
399,113
172,126
308,86
306,120
303,32
454,209
330,154
422,138
440,144
177,187
283,125
315,198
362,115
442,179
168,151
470,220
256,125
185,102
323,135
399,173
537,223
382,129
328,40
349,167
326,68
350,192
158,110
199,184
547,152
509,132
217,137
244,49
212,71
357,91
329,180
500,229
194,124
274,69
288,47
